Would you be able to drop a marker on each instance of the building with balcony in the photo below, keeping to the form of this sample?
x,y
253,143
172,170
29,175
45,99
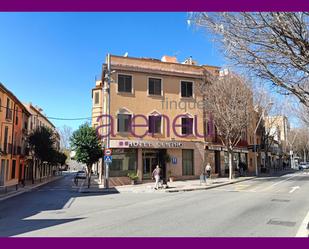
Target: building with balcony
x,y
13,118
277,128
156,118
36,120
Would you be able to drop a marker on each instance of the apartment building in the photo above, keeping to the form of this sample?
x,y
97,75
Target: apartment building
x,y
38,119
157,119
278,128
13,131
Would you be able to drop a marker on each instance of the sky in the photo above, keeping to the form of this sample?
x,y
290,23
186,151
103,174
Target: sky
x,y
51,59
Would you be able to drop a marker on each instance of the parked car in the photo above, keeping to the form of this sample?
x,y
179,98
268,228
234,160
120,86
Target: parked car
x,y
303,165
81,175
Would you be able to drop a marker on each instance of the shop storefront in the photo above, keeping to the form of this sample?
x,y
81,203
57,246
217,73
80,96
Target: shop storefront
x,y
124,162
181,159
221,159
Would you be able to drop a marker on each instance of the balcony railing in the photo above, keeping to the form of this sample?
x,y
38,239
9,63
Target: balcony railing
x,y
7,148
9,114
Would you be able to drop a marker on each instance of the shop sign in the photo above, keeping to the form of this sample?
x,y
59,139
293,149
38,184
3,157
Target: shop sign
x,y
147,144
214,148
217,148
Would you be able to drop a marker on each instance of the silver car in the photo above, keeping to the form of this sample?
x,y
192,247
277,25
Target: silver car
x,y
304,165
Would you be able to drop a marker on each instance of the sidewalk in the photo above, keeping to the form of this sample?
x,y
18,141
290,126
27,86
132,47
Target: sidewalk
x,y
177,186
11,191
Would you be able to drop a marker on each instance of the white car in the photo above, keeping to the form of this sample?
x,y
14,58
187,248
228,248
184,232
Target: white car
x,y
304,165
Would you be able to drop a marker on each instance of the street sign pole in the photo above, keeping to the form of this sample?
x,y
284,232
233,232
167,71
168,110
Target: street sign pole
x,y
106,179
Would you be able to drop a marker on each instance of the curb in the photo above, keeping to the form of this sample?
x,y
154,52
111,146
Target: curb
x,y
207,187
116,191
179,190
104,191
28,189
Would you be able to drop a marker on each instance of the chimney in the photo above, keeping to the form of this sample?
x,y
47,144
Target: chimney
x,y
171,59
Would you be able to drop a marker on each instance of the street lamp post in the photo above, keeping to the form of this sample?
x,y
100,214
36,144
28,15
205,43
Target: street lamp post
x,y
254,139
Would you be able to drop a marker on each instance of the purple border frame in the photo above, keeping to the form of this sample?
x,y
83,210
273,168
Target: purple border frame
x,y
156,5
154,243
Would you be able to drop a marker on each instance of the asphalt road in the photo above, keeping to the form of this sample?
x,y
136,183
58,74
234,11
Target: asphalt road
x,y
267,207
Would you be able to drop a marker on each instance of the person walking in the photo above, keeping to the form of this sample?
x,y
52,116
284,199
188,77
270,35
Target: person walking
x,y
156,176
208,170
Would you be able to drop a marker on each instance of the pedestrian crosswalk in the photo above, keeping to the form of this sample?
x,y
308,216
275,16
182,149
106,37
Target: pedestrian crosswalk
x,y
289,184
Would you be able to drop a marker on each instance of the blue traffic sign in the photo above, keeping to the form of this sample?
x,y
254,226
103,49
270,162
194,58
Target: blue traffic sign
x,y
108,159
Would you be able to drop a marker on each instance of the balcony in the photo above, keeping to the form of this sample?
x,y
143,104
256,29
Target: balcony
x,y
9,115
6,148
19,150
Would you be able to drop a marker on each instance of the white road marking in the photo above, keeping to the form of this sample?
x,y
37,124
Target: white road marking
x,y
69,203
303,231
294,188
277,183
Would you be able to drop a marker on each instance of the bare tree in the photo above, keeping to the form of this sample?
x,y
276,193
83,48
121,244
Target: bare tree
x,y
301,142
272,46
270,110
202,88
229,100
65,136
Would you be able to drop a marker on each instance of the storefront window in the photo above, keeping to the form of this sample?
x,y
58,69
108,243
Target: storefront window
x,y
226,160
243,158
124,162
235,159
187,162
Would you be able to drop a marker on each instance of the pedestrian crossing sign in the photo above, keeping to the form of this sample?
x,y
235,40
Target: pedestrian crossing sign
x,y
108,159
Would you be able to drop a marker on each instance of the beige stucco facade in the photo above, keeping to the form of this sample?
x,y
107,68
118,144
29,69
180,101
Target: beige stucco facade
x,y
141,104
170,105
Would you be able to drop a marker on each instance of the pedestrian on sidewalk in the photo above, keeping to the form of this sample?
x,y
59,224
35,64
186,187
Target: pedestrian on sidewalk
x,y
208,170
156,176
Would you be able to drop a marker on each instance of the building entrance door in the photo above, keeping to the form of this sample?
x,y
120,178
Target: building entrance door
x,y
150,161
2,166
217,163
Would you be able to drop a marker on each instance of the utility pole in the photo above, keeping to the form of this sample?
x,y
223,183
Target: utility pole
x,y
107,89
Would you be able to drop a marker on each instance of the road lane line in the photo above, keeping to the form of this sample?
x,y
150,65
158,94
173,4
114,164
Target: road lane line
x,y
277,183
69,203
294,188
303,229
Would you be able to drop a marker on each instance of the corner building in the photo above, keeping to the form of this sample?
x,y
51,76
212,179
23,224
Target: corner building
x,y
162,101
160,98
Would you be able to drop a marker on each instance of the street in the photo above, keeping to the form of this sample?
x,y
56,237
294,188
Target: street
x,y
261,207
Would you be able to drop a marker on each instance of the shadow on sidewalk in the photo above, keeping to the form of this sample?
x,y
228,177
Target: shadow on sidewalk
x,y
17,214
